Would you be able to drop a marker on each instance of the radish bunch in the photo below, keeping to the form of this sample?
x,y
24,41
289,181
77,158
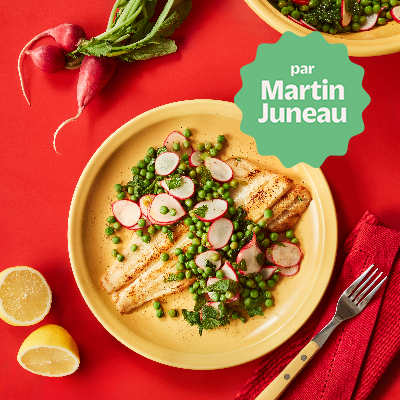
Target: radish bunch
x,y
236,260
131,35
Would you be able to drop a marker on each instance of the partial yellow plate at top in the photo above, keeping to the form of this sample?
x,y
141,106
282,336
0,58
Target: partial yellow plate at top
x,y
172,341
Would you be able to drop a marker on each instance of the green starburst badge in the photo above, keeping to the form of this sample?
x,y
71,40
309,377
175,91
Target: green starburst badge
x,y
302,99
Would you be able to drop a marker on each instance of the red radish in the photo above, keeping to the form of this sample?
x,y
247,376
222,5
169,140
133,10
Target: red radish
x,y
213,304
307,25
220,171
215,209
94,74
371,21
229,272
346,15
395,13
267,272
286,254
144,203
268,254
301,2
220,232
289,271
182,192
250,254
67,36
48,58
170,202
126,212
201,259
294,19
166,163
195,159
176,137
210,281
136,226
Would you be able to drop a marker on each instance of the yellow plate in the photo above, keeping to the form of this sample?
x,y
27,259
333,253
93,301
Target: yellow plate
x,y
377,41
172,341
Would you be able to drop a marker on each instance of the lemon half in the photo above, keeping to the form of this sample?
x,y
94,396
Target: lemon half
x,y
25,296
49,351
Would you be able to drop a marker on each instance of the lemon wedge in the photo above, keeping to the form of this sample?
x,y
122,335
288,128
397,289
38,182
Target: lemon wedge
x,y
25,296
49,351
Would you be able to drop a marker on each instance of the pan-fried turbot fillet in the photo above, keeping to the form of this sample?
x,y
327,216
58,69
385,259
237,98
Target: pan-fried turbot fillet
x,y
120,274
153,283
260,190
288,209
263,189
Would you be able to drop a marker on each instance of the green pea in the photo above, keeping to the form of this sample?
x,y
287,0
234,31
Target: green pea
x,y
208,270
215,296
159,313
118,187
192,249
294,241
116,239
188,274
178,251
111,219
248,301
195,297
200,146
156,305
164,257
257,230
215,257
220,138
270,283
268,213
120,257
208,145
240,235
141,222
332,30
180,276
254,293
114,252
275,277
268,294
164,229
135,170
185,156
387,16
304,8
139,232
141,164
134,247
235,315
250,283
146,238
120,195
109,230
202,194
282,4
368,10
187,133
219,274
229,295
172,211
152,230
234,245
232,210
192,173
183,166
326,27
182,258
213,152
218,146
269,302
234,183
274,236
381,21
312,3
285,10
289,234
295,14
262,284
163,210
393,3
355,26
172,313
192,228
176,146
186,144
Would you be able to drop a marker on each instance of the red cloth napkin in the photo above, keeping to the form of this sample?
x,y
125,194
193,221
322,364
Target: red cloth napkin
x,y
357,353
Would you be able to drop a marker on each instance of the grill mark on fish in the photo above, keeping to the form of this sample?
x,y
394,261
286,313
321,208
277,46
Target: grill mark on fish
x,y
120,274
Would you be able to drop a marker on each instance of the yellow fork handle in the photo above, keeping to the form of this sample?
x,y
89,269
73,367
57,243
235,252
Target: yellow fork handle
x,y
282,381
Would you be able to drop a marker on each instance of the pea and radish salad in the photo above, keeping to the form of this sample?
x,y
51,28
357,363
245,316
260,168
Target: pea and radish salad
x,y
339,16
232,264
131,35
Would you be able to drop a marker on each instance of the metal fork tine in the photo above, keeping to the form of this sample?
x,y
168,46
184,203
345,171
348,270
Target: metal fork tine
x,y
365,291
355,294
366,299
350,289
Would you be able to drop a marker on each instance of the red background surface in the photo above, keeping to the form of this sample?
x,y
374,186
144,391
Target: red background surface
x,y
37,185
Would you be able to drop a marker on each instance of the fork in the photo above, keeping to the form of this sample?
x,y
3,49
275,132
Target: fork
x,y
352,301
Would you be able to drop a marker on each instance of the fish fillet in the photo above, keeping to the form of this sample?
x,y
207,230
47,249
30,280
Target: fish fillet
x,y
120,274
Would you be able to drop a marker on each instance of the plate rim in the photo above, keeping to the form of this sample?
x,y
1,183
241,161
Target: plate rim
x,y
103,152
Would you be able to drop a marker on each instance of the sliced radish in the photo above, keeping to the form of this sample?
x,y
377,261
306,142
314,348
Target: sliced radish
x,y
395,13
166,163
215,209
195,159
220,232
126,212
229,272
220,171
182,192
289,271
137,227
201,259
144,203
213,304
370,21
176,137
267,272
346,15
164,199
294,19
301,2
249,254
307,25
286,254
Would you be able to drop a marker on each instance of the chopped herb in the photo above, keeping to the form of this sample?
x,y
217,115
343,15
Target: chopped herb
x,y
280,244
240,214
139,188
170,235
222,286
205,174
200,211
238,159
174,182
209,264
299,198
254,311
242,265
260,258
161,149
171,277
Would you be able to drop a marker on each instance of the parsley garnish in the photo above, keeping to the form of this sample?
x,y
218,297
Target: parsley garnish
x,y
280,244
200,211
161,149
174,182
171,277
170,235
222,286
260,258
205,174
242,265
299,198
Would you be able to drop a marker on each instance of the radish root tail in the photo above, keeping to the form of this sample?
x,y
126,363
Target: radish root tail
x,y
62,125
45,33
